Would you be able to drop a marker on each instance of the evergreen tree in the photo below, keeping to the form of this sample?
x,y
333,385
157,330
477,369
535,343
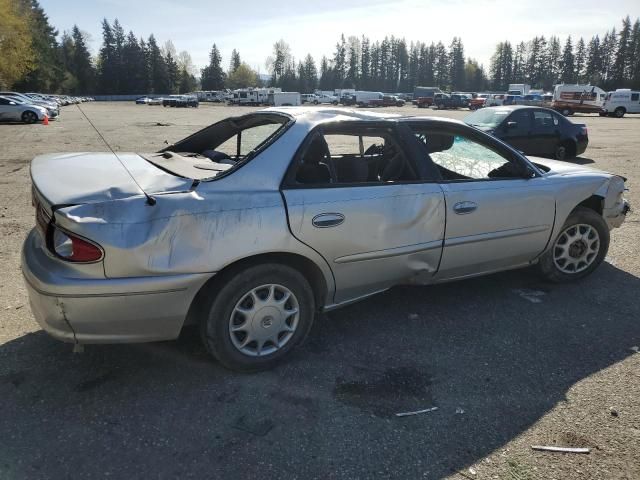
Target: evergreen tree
x,y
441,66
622,62
580,60
352,79
365,63
567,64
235,61
310,73
17,54
107,75
172,73
158,72
457,64
593,65
81,67
340,62
212,75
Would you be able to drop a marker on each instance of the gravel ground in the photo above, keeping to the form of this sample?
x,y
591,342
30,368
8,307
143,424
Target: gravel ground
x,y
505,373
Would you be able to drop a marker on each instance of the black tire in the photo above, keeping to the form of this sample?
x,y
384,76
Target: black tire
x,y
565,150
619,112
441,106
315,102
29,117
547,266
215,324
567,112
603,114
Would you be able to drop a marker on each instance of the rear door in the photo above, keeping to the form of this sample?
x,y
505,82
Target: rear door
x,y
354,196
499,213
546,132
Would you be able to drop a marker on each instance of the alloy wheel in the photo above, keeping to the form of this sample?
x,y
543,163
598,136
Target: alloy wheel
x,y
576,248
264,320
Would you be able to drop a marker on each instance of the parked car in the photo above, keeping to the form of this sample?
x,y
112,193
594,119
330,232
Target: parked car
x,y
15,110
513,100
180,101
254,224
155,101
423,96
478,101
442,101
494,99
533,130
142,101
53,110
324,98
533,100
309,98
620,102
387,101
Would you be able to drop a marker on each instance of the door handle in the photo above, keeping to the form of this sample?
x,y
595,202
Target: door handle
x,y
462,208
324,220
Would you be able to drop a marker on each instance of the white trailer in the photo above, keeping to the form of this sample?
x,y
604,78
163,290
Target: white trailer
x,y
569,99
253,96
285,99
518,89
363,99
623,100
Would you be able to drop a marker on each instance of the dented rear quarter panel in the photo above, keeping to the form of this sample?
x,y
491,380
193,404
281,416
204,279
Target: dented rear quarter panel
x,y
198,231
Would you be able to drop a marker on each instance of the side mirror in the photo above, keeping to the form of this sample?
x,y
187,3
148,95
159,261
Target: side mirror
x,y
511,125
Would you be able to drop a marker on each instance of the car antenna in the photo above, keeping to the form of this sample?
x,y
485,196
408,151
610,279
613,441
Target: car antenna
x,y
150,200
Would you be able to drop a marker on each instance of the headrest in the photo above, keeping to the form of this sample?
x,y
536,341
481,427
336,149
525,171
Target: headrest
x,y
438,142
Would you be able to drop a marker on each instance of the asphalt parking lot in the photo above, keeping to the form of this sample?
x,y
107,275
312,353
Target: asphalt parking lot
x,y
508,360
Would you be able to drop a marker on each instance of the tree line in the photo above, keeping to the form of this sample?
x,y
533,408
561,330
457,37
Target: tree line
x,y
34,57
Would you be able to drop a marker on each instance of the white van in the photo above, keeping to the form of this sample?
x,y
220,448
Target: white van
x,y
569,99
622,101
285,99
363,99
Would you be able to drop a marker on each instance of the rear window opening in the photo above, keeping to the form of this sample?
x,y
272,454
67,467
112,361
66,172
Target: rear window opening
x,y
222,147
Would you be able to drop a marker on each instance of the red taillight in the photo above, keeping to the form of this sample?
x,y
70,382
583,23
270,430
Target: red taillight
x,y
73,248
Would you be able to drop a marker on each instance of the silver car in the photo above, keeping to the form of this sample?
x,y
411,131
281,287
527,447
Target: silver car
x,y
254,224
15,110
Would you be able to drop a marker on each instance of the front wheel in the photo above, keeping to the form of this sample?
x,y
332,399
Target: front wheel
x,y
258,316
619,112
580,247
29,117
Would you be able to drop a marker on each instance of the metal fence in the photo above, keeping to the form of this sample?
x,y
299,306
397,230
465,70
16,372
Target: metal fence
x,y
124,98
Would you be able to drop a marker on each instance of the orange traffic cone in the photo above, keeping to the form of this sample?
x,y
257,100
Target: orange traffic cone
x,y
46,120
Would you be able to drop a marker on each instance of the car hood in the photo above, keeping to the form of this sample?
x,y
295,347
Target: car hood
x,y
555,167
76,178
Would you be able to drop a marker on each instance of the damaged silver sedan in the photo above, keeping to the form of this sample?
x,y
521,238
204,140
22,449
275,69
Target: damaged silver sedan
x,y
254,224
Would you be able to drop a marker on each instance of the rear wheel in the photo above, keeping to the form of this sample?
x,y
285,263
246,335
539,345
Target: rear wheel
x,y
619,112
566,112
580,247
29,117
258,317
564,150
441,106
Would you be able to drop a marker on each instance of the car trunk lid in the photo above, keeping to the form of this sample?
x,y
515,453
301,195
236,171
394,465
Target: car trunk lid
x,y
77,178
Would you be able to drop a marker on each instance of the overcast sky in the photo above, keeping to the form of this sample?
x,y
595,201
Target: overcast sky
x,y
311,26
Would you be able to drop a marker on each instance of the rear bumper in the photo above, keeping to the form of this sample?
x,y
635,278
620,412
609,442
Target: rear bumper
x,y
79,309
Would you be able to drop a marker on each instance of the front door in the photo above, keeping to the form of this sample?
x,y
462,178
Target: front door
x,y
354,197
499,212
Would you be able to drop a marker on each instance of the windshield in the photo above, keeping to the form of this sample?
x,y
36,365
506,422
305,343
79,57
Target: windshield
x,y
487,118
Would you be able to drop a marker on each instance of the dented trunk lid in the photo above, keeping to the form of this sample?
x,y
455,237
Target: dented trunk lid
x,y
89,177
